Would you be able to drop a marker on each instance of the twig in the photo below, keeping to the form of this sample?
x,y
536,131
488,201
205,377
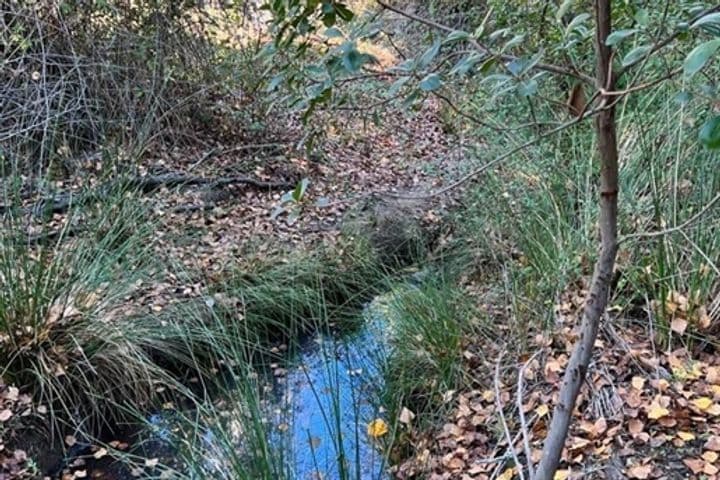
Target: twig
x,y
642,86
499,406
497,160
523,423
147,184
676,228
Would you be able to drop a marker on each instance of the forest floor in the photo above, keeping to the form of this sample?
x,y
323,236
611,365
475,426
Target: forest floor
x,y
646,412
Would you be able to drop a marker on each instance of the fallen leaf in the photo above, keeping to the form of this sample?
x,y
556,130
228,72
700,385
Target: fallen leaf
x,y
703,403
695,465
70,440
686,436
507,474
377,428
638,382
713,443
710,456
656,411
678,325
640,471
100,453
561,475
5,415
406,416
152,462
542,410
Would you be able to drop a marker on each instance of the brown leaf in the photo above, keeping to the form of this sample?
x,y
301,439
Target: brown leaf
x,y
640,471
695,465
678,325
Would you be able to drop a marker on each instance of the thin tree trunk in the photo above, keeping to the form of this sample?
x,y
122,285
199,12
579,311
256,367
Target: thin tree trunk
x,y
599,290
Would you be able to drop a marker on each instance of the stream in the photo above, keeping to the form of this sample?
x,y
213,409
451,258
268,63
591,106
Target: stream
x,y
316,414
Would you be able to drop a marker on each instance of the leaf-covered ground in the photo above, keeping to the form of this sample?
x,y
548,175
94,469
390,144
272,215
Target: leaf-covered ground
x,y
645,412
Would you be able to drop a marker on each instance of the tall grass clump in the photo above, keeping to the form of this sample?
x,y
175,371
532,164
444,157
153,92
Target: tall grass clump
x,y
303,293
74,331
429,326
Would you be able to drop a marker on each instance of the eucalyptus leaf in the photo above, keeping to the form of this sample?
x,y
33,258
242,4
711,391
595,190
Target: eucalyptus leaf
x,y
711,19
618,36
635,54
709,134
430,83
699,56
333,32
456,36
429,55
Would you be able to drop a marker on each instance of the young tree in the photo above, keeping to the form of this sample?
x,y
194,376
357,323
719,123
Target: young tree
x,y
650,47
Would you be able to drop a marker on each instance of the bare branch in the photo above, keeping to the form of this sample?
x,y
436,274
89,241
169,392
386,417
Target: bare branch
x,y
499,407
499,159
676,228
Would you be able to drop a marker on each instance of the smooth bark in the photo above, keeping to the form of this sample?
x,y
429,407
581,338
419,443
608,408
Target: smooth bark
x,y
599,290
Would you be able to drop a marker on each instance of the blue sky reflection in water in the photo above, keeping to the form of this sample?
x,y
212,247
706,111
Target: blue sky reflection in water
x,y
330,392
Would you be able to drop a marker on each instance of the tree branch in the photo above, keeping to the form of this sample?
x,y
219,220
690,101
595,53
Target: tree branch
x,y
484,49
676,228
665,42
500,158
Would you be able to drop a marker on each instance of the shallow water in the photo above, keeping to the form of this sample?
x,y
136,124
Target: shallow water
x,y
317,414
328,397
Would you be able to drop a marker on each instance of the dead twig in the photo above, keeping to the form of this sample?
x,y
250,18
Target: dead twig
x,y
499,406
676,228
521,413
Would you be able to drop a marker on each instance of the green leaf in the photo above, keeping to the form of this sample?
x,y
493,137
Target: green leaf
x,y
562,10
429,55
642,17
300,189
712,19
528,88
618,36
516,40
396,86
456,36
683,98
709,134
466,64
699,56
352,60
344,12
635,54
576,22
430,83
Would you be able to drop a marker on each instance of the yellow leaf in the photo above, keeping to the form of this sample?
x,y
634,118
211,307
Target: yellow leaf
x,y
377,428
542,410
709,456
686,436
656,411
561,475
703,403
507,474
